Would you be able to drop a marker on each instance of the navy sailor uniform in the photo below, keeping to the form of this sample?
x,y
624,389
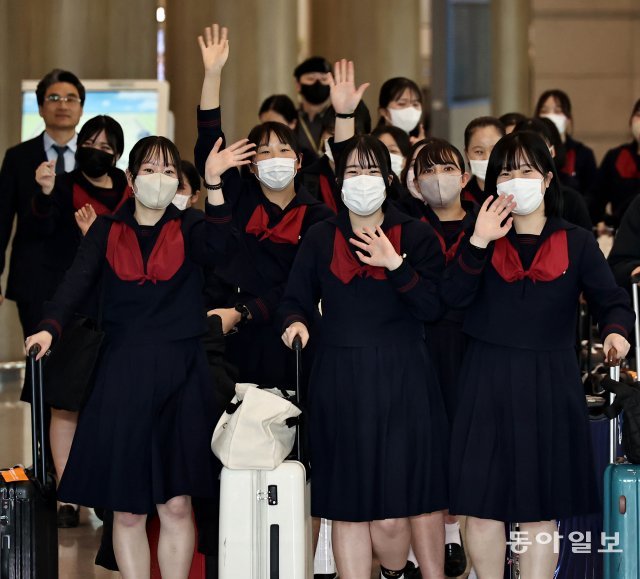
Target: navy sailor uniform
x,y
521,437
144,434
378,428
268,238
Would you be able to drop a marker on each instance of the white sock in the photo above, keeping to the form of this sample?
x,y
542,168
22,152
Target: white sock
x,y
412,557
452,533
472,574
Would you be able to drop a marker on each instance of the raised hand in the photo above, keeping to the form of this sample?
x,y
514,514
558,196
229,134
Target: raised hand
x,y
489,222
215,48
85,216
46,176
344,95
377,245
218,161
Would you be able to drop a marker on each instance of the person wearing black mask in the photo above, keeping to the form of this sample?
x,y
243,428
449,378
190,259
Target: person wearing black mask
x,y
61,212
313,88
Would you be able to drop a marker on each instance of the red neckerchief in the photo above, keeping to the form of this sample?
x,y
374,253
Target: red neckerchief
x,y
286,231
327,193
345,265
570,163
450,253
626,165
466,195
82,198
125,258
550,262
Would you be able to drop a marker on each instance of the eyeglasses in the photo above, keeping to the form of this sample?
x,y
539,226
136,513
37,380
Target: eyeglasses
x,y
56,98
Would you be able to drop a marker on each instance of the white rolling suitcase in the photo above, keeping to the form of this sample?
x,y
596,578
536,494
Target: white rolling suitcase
x,y
264,520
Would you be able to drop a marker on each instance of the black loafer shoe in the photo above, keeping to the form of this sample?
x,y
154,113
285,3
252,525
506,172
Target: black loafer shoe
x,y
68,517
455,561
411,571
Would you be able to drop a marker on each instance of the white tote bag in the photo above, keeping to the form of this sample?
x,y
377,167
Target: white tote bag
x,y
257,431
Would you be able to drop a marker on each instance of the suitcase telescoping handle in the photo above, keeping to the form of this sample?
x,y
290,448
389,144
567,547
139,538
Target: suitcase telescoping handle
x,y
297,348
635,280
37,416
613,362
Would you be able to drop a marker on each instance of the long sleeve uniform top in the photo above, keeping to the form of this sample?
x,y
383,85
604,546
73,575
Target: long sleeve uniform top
x,y
538,315
257,273
365,310
152,281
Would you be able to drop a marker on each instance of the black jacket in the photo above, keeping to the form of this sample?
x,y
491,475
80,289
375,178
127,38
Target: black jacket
x,y
17,187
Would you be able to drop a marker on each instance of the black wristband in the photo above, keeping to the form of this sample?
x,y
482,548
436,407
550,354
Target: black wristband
x,y
345,115
244,313
213,187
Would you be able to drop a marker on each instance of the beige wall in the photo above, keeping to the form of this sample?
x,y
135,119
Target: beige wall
x,y
591,50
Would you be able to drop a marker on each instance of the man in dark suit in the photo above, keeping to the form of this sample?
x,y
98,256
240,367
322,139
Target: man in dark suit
x,y
60,96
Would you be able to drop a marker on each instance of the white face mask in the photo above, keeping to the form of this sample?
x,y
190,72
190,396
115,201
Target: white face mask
x,y
440,190
181,201
397,163
364,194
527,194
328,152
635,129
560,121
406,119
479,168
155,191
276,173
411,185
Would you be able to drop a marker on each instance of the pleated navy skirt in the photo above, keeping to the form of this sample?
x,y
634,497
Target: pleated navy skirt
x,y
144,435
521,447
379,434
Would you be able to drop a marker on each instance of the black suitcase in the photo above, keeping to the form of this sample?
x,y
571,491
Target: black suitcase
x,y
28,526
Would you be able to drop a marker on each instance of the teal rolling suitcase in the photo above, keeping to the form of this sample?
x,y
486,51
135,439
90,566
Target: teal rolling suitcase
x,y
621,540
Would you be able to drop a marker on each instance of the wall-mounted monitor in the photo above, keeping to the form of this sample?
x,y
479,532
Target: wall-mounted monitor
x,y
140,106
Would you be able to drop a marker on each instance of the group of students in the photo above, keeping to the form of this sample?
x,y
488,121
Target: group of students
x,y
437,311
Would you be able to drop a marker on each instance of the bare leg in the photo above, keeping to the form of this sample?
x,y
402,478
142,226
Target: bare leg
x,y
390,539
427,538
61,432
352,549
177,538
131,545
487,545
539,561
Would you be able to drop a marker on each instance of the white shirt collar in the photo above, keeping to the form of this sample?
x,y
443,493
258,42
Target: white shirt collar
x,y
49,142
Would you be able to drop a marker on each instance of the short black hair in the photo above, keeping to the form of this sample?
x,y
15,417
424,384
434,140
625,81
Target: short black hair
x,y
549,132
438,152
480,123
371,152
281,104
509,119
190,173
410,158
58,75
312,64
391,89
561,97
153,146
511,150
636,108
399,136
111,128
260,134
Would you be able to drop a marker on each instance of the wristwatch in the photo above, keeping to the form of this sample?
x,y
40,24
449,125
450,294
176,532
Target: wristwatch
x,y
244,313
